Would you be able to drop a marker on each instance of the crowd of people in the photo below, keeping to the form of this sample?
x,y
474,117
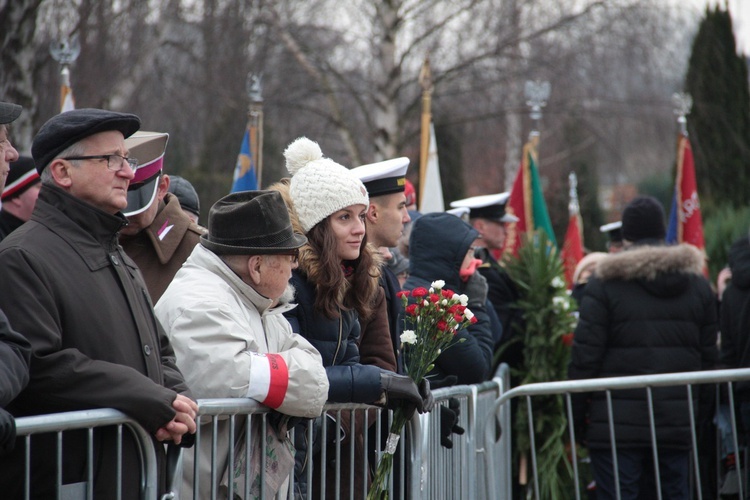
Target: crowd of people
x,y
113,296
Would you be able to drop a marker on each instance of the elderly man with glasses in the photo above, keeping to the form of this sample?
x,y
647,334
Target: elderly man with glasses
x,y
224,315
71,290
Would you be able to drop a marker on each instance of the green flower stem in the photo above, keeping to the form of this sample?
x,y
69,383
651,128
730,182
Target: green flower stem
x,y
379,487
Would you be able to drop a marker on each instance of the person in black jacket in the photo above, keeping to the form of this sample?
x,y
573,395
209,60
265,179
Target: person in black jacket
x,y
336,284
440,248
487,215
15,350
19,195
735,322
646,310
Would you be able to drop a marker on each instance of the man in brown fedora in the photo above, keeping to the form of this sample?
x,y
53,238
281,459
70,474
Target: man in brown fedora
x,y
224,315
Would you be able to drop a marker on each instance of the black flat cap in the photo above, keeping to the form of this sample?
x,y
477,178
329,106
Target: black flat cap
x,y
63,130
9,112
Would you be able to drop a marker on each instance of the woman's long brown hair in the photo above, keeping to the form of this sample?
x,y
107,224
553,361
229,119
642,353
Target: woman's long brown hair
x,y
320,262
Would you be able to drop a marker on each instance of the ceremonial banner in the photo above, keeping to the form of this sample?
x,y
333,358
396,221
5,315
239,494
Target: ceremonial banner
x,y
527,202
244,170
66,98
432,189
685,221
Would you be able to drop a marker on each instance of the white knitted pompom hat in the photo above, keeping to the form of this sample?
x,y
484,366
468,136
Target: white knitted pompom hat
x,y
319,186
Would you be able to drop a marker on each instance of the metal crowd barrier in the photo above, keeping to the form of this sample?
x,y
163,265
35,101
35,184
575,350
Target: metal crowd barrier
x,y
425,469
501,408
58,423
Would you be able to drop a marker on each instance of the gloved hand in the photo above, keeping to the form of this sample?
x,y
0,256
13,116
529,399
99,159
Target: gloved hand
x,y
439,383
401,391
428,402
476,290
449,422
7,432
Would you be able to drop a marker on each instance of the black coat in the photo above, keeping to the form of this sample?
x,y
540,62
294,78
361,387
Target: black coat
x,y
336,340
437,247
647,310
15,352
735,314
69,288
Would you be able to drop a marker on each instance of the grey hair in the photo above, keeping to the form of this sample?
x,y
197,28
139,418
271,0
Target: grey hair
x,y
76,149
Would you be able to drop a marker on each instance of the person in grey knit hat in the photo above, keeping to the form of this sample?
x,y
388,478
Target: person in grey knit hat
x,y
336,286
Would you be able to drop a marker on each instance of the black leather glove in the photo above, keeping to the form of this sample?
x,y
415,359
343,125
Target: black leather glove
x,y
401,392
476,290
449,422
7,432
428,402
439,383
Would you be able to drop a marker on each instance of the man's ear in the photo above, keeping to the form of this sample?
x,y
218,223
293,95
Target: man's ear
x,y
373,213
253,268
60,170
163,188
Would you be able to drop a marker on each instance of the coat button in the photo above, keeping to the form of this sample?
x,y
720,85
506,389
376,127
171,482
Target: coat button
x,y
147,350
115,260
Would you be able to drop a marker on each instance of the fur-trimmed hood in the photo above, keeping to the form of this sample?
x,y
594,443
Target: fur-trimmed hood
x,y
647,262
662,270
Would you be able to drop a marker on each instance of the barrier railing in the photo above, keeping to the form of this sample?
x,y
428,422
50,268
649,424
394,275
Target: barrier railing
x,y
59,423
566,388
425,468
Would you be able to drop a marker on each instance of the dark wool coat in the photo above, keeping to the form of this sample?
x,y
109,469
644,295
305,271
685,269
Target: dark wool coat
x,y
735,314
8,223
15,352
437,247
160,249
81,302
647,310
502,293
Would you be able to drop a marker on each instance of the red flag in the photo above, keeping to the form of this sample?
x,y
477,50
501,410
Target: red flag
x,y
572,251
685,220
526,202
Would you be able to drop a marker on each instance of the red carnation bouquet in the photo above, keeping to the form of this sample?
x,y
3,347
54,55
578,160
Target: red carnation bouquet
x,y
433,317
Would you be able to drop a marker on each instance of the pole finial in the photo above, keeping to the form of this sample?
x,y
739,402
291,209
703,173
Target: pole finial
x,y
536,92
683,103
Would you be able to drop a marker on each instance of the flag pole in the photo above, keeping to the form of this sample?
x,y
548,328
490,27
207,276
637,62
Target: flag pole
x,y
255,122
425,81
65,52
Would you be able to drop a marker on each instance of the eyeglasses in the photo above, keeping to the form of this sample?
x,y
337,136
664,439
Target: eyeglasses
x,y
115,162
293,253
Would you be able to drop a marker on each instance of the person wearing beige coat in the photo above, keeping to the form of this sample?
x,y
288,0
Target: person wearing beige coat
x,y
224,314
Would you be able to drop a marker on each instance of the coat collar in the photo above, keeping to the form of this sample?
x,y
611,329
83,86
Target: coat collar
x,y
100,225
168,229
206,259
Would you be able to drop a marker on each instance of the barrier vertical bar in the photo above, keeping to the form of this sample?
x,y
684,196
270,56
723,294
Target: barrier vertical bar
x,y
694,441
654,449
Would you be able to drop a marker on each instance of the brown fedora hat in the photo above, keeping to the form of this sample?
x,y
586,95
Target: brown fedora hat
x,y
251,223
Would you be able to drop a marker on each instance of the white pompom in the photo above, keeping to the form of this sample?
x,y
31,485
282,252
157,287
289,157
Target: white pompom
x,y
301,152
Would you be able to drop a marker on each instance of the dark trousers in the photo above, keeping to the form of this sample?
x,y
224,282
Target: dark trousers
x,y
636,474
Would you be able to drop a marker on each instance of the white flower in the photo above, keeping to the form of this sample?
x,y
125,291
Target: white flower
x,y
557,282
409,337
468,314
437,284
444,302
560,303
425,302
431,290
464,299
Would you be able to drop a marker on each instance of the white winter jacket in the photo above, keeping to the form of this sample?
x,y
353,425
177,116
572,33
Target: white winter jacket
x,y
229,342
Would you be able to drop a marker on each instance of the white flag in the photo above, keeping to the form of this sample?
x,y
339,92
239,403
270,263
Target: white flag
x,y
432,192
